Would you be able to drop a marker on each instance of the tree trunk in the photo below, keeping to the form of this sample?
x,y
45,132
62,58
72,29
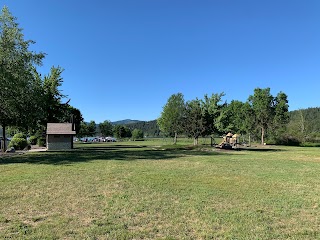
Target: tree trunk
x,y
249,140
4,146
175,138
262,135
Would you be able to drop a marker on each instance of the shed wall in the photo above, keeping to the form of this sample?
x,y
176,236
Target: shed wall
x,y
59,142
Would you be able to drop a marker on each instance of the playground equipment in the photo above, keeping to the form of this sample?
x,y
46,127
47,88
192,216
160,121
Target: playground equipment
x,y
230,141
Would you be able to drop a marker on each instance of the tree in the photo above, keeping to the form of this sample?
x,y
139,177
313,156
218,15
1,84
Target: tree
x,y
172,115
106,128
195,123
72,115
211,111
53,109
269,112
137,134
262,104
121,131
17,64
91,128
281,117
83,131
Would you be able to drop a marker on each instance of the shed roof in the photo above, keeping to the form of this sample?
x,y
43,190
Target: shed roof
x,y
60,128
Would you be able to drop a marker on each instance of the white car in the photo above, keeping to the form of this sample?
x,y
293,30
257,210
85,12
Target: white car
x,y
110,139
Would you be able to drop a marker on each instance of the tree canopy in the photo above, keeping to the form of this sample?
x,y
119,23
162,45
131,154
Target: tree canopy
x,y
27,101
172,115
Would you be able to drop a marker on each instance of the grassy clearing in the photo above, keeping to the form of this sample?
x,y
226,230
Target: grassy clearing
x,y
142,190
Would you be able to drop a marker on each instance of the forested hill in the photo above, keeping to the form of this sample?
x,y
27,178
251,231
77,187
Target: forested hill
x,y
150,128
125,122
307,120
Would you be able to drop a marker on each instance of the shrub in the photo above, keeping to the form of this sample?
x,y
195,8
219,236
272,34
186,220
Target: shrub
x,y
286,140
137,134
33,140
20,135
18,143
310,144
41,142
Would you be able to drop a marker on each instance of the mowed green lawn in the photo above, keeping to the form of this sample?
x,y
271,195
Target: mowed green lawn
x,y
141,191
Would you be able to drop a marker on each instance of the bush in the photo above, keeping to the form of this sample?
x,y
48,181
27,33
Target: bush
x,y
285,140
20,135
137,134
41,142
18,143
33,140
310,144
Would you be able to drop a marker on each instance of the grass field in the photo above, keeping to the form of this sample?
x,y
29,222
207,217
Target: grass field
x,y
144,190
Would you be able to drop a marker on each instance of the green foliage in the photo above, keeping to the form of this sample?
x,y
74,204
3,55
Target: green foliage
x,y
72,115
18,87
87,129
236,117
18,141
195,124
33,140
120,131
270,113
212,111
304,124
91,128
83,132
106,128
137,134
171,119
149,128
20,135
41,142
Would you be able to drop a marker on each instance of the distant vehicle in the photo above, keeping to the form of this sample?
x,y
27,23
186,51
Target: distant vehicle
x,y
110,139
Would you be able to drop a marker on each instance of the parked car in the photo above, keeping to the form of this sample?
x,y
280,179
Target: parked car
x,y
110,139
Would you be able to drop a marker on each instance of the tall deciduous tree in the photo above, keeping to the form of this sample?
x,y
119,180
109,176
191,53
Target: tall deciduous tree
x,y
106,128
53,108
262,103
281,117
195,122
92,128
211,111
269,112
121,131
17,64
172,115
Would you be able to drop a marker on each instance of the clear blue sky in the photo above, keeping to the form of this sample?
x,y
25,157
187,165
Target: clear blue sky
x,y
124,58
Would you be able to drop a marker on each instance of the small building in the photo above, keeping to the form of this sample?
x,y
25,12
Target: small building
x,y
60,136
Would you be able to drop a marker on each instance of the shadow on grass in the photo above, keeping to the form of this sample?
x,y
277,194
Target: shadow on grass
x,y
261,149
115,153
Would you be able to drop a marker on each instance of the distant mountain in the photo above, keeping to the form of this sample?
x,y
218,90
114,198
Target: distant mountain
x,y
150,128
125,122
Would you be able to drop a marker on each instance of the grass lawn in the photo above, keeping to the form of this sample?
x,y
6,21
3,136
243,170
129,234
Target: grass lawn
x,y
147,191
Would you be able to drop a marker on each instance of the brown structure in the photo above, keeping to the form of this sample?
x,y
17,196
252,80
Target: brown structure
x,y
230,141
60,136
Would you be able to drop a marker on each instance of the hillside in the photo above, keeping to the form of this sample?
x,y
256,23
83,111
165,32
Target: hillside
x,y
150,128
125,122
306,121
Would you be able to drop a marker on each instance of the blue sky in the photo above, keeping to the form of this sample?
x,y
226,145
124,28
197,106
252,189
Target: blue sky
x,y
124,58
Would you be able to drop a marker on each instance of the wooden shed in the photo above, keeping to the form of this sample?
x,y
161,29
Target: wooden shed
x,y
60,136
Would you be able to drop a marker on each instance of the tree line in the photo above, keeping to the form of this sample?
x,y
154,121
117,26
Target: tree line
x,y
262,116
106,129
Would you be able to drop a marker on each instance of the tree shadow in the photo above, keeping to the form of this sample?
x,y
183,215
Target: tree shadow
x,y
114,153
261,149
